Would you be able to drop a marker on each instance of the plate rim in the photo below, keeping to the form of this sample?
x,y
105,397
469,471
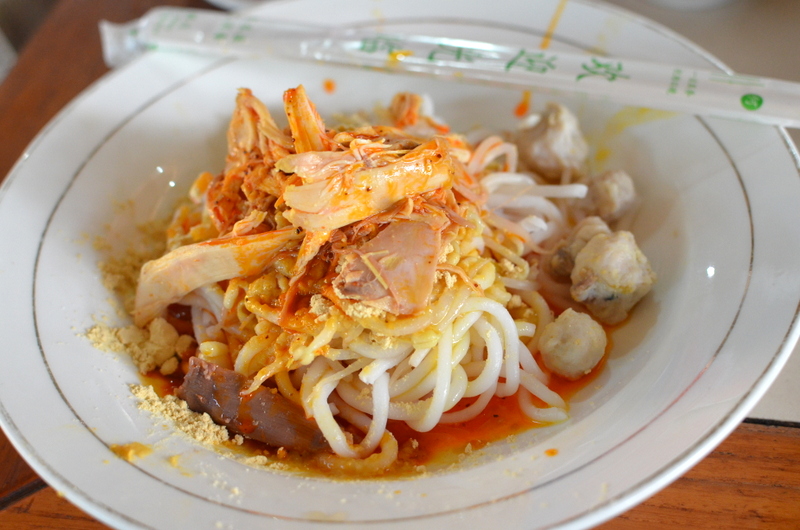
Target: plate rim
x,y
680,464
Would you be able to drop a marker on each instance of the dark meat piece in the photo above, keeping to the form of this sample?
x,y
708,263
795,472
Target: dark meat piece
x,y
264,415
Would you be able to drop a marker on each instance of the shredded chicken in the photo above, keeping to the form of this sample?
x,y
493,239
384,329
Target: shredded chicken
x,y
171,277
390,274
357,187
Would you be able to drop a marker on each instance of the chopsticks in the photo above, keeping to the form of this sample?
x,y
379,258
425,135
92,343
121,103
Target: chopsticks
x,y
668,87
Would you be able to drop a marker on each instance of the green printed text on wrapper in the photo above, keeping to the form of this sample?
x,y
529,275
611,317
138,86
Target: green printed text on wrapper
x,y
752,101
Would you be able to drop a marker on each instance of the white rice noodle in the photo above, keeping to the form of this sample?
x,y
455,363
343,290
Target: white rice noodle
x,y
518,285
473,410
503,223
380,415
460,350
522,184
417,357
542,415
429,377
493,181
464,322
401,369
540,390
525,329
409,411
403,385
213,296
353,395
322,413
444,372
560,191
508,332
534,223
207,308
372,350
370,373
478,354
529,204
494,360
537,302
526,212
205,325
357,418
529,364
338,354
490,149
541,230
316,370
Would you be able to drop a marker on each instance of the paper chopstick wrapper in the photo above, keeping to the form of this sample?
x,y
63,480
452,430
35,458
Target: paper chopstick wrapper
x,y
668,87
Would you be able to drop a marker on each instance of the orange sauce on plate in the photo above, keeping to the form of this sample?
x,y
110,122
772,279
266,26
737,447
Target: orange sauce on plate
x,y
524,104
444,445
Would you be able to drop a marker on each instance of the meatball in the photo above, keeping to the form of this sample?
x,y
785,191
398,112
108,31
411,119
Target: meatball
x,y
610,276
612,194
563,259
572,344
554,145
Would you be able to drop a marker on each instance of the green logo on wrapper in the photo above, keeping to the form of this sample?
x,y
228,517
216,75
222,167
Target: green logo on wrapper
x,y
752,101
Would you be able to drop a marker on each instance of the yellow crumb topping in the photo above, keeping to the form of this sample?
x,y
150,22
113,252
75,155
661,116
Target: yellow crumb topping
x,y
199,426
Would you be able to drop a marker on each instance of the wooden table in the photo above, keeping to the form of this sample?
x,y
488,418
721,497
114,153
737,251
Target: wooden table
x,y
751,480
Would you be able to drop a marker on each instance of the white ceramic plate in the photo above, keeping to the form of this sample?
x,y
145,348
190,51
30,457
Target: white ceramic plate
x,y
719,222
